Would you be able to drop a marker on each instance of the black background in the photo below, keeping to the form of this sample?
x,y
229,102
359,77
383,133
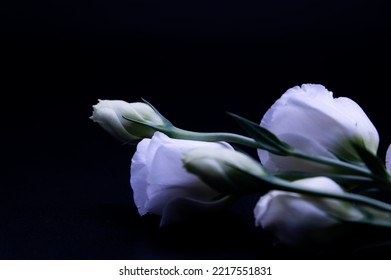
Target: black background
x,y
65,190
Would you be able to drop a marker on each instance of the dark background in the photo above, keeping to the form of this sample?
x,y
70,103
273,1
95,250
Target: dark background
x,y
65,191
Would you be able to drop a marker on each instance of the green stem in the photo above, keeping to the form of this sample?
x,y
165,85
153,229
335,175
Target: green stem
x,y
352,168
178,133
355,169
284,185
174,132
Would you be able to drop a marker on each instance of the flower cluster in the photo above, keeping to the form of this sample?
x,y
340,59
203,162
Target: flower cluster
x,y
318,176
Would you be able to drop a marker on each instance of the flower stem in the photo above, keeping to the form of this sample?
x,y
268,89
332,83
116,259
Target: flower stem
x,y
342,165
333,163
178,133
284,185
350,168
281,184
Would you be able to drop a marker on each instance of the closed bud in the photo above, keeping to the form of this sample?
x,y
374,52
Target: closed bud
x,y
310,119
226,170
305,221
109,114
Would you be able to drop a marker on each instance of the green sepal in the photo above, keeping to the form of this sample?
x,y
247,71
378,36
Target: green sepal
x,y
373,162
237,182
163,128
167,123
144,123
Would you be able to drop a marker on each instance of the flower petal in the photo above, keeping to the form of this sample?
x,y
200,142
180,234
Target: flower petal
x,y
140,168
308,117
158,176
388,158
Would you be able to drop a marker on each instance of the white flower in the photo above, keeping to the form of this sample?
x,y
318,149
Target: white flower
x,y
310,119
305,221
109,114
388,158
227,170
159,179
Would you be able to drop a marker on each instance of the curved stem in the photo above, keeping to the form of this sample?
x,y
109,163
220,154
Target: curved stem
x,y
283,185
175,132
354,168
178,133
333,163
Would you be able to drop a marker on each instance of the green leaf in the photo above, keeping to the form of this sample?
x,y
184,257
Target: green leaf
x,y
266,139
373,162
167,125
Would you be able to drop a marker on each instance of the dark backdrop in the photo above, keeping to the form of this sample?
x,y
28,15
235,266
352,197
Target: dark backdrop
x,y
65,190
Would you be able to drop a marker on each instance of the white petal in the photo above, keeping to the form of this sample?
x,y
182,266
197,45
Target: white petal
x,y
310,118
158,176
296,221
388,158
108,120
138,176
302,220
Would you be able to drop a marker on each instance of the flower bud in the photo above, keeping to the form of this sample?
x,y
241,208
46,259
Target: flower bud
x,y
109,114
162,186
306,221
311,120
225,170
